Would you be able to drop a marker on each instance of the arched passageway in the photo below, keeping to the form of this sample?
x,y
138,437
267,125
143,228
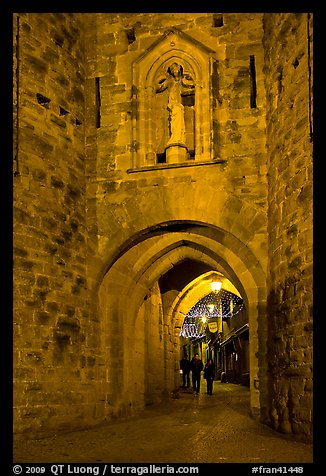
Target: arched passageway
x,y
216,327
109,214
141,320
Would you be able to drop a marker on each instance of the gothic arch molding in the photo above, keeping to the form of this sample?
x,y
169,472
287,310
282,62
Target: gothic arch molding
x,y
129,280
133,220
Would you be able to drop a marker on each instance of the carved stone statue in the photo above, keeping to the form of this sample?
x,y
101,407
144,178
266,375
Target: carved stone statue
x,y
177,83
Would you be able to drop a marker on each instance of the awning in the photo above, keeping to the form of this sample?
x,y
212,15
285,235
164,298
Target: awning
x,y
236,333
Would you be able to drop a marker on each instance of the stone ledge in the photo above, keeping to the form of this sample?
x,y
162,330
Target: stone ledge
x,y
175,166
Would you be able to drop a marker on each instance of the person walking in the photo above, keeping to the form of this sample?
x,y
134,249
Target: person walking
x,y
185,367
196,368
209,374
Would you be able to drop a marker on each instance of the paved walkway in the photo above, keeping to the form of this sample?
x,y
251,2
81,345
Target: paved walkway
x,y
188,429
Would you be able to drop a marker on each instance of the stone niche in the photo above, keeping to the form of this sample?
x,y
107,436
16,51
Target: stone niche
x,y
172,97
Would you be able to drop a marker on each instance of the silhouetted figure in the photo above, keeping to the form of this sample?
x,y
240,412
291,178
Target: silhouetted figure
x,y
185,367
209,374
196,368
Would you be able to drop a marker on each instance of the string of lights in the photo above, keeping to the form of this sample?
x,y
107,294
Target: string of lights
x,y
214,305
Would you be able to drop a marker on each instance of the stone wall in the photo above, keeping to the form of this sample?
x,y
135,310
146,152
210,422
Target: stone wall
x,y
288,53
127,203
54,334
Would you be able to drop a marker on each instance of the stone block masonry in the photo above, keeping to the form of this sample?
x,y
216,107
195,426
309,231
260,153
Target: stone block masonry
x,y
288,82
54,359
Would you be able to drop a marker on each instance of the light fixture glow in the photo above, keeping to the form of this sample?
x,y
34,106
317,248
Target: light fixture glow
x,y
216,286
193,327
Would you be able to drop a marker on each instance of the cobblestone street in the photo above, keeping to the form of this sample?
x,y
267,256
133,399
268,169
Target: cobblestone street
x,y
188,429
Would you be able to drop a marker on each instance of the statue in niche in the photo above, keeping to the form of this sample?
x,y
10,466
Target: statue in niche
x,y
177,84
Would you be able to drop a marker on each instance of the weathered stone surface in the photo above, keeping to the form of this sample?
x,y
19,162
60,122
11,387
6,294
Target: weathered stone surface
x,y
292,204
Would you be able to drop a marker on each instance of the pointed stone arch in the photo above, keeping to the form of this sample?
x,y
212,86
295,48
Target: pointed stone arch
x,y
129,298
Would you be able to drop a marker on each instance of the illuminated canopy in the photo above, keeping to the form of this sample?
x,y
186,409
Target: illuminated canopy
x,y
212,306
